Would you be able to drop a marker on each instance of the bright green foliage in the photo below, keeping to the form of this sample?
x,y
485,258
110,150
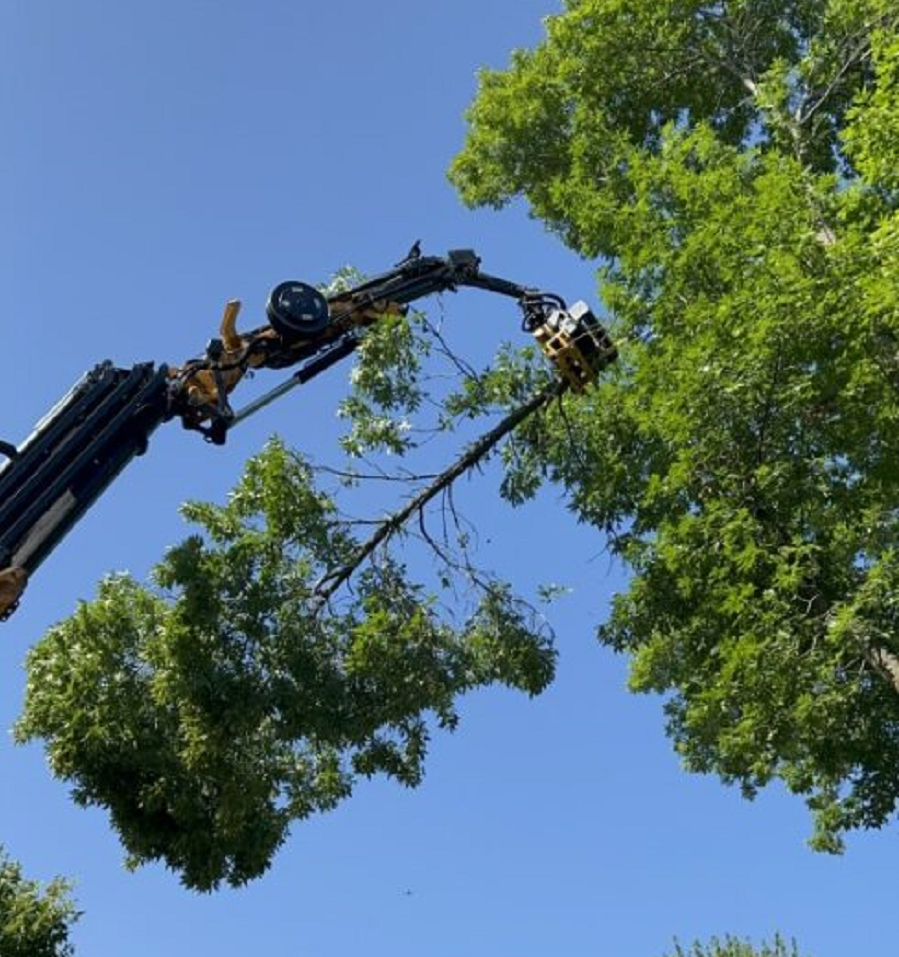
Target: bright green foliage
x,y
562,126
734,164
34,921
210,712
734,947
386,390
873,133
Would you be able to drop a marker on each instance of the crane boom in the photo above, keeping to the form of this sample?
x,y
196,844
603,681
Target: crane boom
x,y
107,418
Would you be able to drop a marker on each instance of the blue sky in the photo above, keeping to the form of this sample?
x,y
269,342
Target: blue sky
x,y
161,158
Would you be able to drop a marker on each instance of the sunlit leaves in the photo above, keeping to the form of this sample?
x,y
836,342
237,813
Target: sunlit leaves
x,y
34,921
386,390
734,165
872,133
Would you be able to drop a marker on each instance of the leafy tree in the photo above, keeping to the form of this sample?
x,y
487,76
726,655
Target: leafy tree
x,y
244,692
734,947
733,166
34,921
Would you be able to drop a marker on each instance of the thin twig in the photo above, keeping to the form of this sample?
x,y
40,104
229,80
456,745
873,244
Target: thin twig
x,y
465,369
402,475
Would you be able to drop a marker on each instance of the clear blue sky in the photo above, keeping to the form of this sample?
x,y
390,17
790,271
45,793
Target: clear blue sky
x,y
160,158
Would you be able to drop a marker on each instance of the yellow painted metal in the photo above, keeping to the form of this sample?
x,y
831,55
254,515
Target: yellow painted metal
x,y
263,347
12,584
574,363
228,329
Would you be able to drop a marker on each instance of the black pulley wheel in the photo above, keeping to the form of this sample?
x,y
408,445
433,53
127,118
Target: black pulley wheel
x,y
297,311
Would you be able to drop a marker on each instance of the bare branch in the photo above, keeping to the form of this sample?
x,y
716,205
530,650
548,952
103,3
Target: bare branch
x,y
462,566
858,55
443,348
402,475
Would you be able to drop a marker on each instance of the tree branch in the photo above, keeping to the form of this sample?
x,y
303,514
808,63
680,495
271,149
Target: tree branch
x,y
880,659
328,584
403,475
861,52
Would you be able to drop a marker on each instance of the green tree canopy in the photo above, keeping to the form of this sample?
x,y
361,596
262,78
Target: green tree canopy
x,y
734,947
210,712
733,166
34,921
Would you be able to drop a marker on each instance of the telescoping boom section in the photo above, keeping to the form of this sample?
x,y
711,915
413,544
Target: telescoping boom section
x,y
49,481
74,453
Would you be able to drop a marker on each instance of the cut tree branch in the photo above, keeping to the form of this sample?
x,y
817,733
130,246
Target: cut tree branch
x,y
328,584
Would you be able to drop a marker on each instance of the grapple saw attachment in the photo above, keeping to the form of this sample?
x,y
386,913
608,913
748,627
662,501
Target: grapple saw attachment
x,y
577,345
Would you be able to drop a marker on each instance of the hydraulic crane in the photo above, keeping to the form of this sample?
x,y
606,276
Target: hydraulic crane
x,y
51,479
